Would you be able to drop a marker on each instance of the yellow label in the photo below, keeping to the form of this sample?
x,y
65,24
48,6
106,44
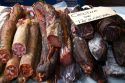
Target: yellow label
x,y
91,15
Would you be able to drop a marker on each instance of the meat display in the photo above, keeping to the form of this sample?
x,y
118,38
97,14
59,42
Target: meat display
x,y
7,33
42,43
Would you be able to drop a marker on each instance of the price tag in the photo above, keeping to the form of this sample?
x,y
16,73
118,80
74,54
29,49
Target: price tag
x,y
91,15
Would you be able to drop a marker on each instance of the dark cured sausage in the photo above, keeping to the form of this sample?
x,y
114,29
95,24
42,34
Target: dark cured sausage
x,y
82,55
118,50
8,32
111,27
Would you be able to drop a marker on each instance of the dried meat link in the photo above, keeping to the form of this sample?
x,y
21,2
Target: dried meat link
x,y
82,55
20,38
4,55
88,31
11,72
26,70
48,22
27,61
109,29
7,33
11,69
118,50
46,70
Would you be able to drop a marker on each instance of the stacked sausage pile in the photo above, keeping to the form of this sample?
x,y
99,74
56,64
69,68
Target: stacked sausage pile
x,y
49,46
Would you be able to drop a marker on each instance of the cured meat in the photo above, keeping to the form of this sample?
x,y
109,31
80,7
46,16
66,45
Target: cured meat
x,y
46,68
49,25
110,27
81,51
98,47
82,55
12,68
112,68
118,50
7,33
4,15
50,21
85,31
20,38
28,60
66,56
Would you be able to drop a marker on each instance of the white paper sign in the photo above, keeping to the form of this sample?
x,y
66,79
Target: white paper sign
x,y
91,15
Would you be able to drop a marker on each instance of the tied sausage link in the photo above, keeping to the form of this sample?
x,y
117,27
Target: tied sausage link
x,y
7,33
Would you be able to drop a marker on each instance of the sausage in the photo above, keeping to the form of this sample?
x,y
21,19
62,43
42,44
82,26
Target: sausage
x,y
7,33
20,38
98,47
12,68
118,50
4,15
82,55
46,68
110,28
66,49
50,21
27,61
50,40
112,68
85,31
